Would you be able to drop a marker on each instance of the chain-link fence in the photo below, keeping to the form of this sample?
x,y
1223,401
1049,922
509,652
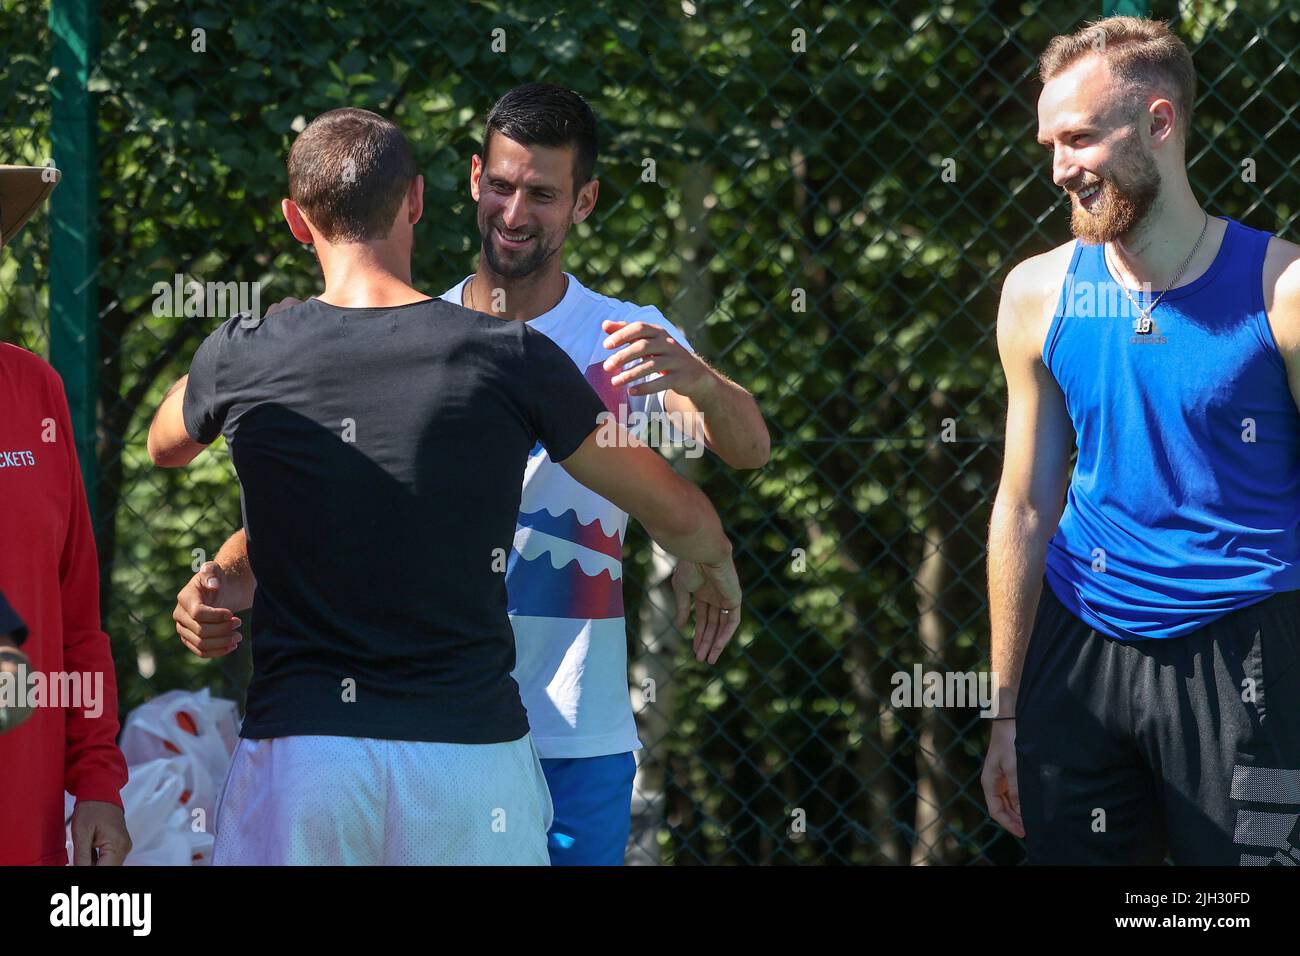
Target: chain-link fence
x,y
825,197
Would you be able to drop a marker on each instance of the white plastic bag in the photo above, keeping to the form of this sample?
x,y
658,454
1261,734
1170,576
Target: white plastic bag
x,y
164,832
197,728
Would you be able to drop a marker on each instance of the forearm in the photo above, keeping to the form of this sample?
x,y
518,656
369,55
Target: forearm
x,y
1017,555
239,584
728,419
690,530
672,510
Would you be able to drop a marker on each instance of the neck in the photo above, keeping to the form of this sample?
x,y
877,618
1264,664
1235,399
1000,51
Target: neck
x,y
525,297
1153,251
359,276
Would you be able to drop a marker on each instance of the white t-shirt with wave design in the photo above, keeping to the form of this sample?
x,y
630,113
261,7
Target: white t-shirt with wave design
x,y
565,573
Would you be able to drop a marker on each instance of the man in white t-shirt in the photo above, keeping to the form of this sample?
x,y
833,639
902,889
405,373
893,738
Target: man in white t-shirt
x,y
564,574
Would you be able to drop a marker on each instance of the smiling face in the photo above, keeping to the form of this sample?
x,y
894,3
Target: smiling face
x,y
526,204
1093,126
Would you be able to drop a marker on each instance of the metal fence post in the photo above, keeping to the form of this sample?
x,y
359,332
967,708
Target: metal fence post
x,y
74,343
1125,8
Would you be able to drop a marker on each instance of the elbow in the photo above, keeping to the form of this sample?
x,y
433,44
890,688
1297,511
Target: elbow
x,y
164,456
755,455
161,460
758,455
1022,519
759,452
156,454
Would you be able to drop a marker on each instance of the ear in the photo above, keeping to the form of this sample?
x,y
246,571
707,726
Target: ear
x,y
586,200
475,174
1161,121
415,199
297,222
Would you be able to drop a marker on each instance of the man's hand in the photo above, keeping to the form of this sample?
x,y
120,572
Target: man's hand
x,y
206,627
99,836
1001,788
684,373
716,590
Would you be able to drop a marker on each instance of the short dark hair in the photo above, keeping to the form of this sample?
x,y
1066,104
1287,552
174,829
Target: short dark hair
x,y
544,114
348,172
1145,54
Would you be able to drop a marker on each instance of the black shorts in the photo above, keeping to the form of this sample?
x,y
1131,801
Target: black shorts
x,y
1129,752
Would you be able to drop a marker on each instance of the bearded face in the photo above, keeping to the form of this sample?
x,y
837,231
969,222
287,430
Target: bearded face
x,y
515,253
1114,201
526,202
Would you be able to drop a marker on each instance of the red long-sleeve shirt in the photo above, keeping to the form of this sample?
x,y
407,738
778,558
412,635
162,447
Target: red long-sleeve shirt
x,y
49,574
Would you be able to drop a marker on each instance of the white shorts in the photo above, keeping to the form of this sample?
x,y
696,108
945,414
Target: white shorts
x,y
295,801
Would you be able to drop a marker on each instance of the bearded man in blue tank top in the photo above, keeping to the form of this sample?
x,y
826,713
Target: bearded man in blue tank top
x,y
1145,610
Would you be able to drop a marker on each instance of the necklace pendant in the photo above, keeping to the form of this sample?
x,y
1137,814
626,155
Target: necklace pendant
x,y
1143,324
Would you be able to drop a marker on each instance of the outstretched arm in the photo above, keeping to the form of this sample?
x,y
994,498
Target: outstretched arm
x,y
672,510
680,518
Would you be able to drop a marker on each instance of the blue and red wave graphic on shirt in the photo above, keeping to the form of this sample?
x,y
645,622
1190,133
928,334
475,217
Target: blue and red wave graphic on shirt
x,y
569,528
535,586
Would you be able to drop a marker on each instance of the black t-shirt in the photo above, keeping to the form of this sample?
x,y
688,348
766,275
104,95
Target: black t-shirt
x,y
11,625
381,455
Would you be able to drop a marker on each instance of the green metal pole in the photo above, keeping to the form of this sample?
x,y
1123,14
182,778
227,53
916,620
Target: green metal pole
x,y
74,339
1125,8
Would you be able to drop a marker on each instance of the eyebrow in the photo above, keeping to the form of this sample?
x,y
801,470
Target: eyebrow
x,y
534,188
1071,129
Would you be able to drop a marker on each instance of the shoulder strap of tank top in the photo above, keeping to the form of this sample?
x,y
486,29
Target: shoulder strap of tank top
x,y
1254,244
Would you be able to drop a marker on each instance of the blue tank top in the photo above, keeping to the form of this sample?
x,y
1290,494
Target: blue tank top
x,y
1185,501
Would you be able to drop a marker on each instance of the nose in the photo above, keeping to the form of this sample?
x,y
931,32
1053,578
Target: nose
x,y
1064,169
515,210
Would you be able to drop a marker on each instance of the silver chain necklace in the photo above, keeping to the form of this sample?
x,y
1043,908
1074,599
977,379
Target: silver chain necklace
x,y
1143,324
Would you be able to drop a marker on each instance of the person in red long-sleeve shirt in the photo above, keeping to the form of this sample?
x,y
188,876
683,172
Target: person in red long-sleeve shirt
x,y
50,577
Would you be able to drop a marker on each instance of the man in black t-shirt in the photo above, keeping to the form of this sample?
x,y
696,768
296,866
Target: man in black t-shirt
x,y
380,437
